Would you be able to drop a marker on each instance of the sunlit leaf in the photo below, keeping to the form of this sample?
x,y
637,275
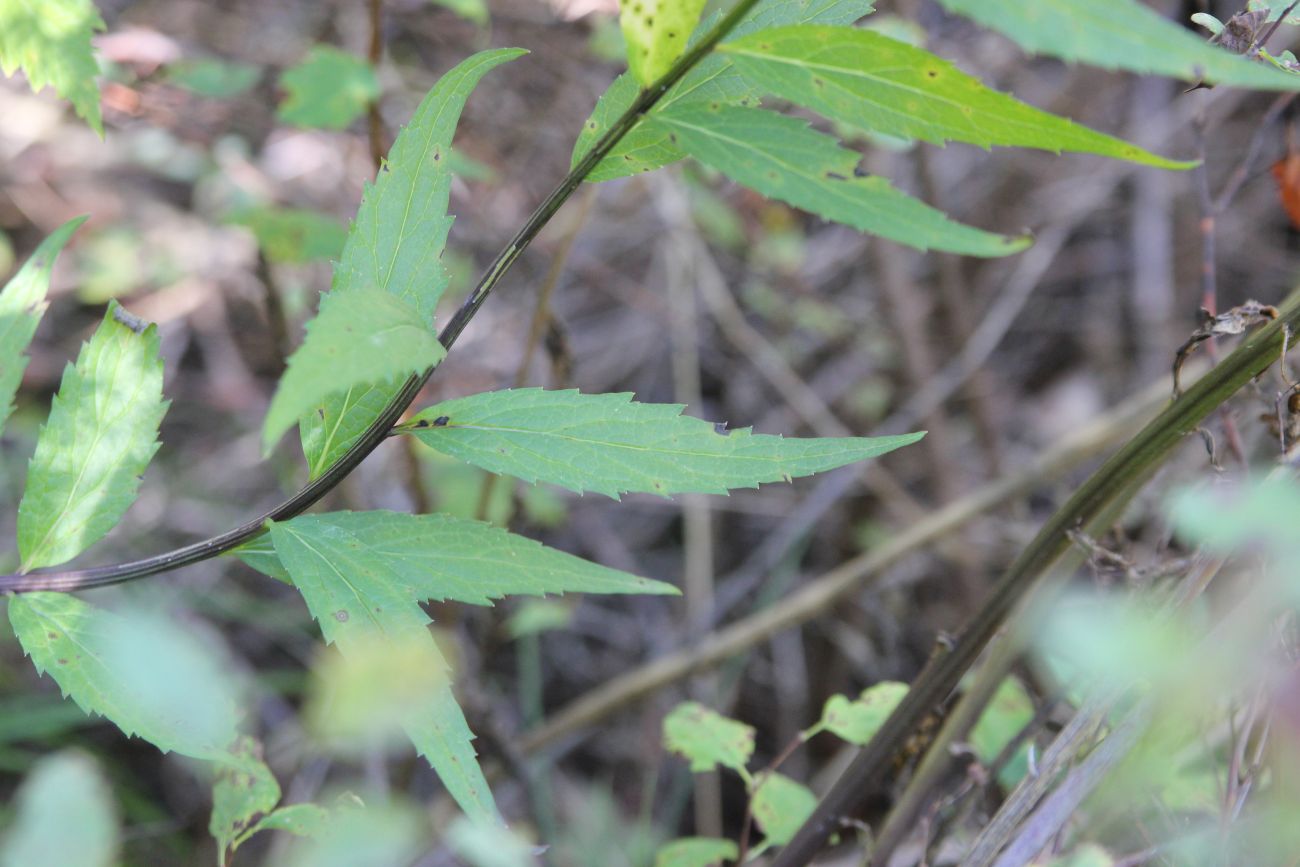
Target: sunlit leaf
x,y
101,434
65,817
471,10
713,80
878,84
785,159
609,444
656,32
1120,34
327,90
396,243
50,41
22,303
708,739
359,338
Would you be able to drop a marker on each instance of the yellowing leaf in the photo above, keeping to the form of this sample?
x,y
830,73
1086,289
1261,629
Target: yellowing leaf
x,y
50,41
656,32
708,739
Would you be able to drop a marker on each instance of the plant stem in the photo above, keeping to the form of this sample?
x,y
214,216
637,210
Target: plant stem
x,y
1136,459
379,429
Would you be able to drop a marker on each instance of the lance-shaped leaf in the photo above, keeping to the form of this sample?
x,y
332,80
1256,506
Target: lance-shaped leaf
x,y
359,338
877,84
656,31
1120,34
149,676
609,444
396,243
785,159
65,816
364,574
50,42
22,303
714,80
438,557
102,432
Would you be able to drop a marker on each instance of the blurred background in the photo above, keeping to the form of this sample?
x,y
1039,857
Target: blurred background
x,y
215,209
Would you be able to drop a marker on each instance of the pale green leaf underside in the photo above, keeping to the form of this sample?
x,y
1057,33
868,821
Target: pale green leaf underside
x,y
101,433
707,739
396,244
50,41
656,32
22,303
878,84
328,90
1119,34
609,444
354,598
858,721
785,159
713,80
151,681
360,337
65,816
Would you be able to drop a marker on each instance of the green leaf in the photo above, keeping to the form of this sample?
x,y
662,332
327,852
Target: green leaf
x,y
328,90
1119,34
858,721
22,303
102,432
656,31
259,554
218,79
293,235
65,816
475,11
360,700
713,80
364,574
609,444
301,820
878,84
380,834
696,852
783,158
708,739
482,845
359,337
780,807
148,675
1010,710
397,241
241,794
50,42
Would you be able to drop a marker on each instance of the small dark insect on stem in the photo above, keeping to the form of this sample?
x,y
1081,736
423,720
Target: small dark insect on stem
x,y
378,431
